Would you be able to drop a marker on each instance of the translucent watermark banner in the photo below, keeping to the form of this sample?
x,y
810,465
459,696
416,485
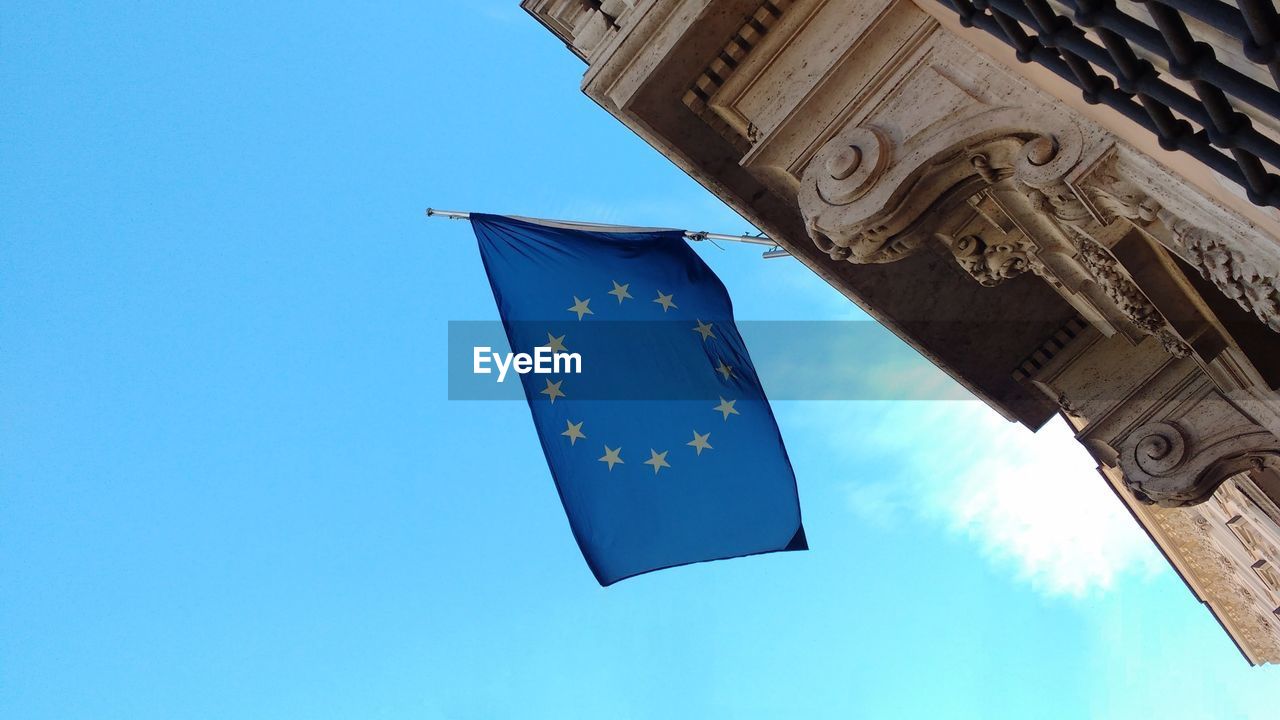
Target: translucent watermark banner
x,y
793,360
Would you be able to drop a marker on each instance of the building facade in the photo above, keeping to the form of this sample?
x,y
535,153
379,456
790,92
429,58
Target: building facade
x,y
1070,207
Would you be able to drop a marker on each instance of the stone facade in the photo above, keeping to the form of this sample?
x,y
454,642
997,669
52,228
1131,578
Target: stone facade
x,y
1043,252
1226,550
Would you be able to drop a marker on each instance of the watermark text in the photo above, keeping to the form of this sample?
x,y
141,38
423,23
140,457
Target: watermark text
x,y
543,361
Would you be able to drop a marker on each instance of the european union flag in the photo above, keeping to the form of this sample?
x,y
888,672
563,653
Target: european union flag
x,y
663,447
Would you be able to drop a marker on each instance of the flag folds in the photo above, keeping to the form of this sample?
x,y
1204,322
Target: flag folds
x,y
661,442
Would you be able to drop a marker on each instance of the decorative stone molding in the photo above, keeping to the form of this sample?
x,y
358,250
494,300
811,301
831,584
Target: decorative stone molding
x,y
583,25
1095,196
867,198
1086,208
1165,464
1060,202
850,164
698,97
1220,580
991,263
1111,277
1158,448
1254,289
1050,349
847,168
1253,541
1111,196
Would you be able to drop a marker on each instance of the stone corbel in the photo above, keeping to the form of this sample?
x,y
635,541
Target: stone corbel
x,y
867,201
1051,202
1166,465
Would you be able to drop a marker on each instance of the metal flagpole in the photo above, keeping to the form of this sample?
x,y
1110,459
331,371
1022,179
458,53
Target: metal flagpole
x,y
775,252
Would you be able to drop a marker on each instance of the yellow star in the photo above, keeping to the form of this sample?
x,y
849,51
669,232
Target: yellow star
x,y
556,343
700,442
726,407
574,432
612,456
658,460
724,370
665,301
580,307
620,291
704,329
553,391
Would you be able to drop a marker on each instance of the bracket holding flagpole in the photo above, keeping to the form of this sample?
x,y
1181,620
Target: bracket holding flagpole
x,y
776,250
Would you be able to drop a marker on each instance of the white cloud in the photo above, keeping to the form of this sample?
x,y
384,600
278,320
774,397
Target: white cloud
x,y
1033,503
1036,503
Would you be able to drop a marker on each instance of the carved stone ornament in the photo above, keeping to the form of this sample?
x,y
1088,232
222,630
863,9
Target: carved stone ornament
x,y
1219,579
1113,197
1162,464
867,200
847,167
1254,289
1082,211
850,163
991,263
1122,291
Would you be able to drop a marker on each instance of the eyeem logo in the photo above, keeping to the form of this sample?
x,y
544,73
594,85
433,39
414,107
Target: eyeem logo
x,y
543,361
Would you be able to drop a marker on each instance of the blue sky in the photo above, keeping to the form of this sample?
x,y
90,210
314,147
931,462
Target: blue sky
x,y
231,484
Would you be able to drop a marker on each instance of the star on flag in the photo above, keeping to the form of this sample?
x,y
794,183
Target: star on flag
x,y
613,456
658,460
725,370
553,391
699,442
574,432
580,307
620,291
726,407
665,301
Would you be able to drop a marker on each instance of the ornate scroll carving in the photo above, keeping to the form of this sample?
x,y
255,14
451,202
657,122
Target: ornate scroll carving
x,y
1035,191
1251,287
1084,210
869,199
1163,464
850,163
1160,448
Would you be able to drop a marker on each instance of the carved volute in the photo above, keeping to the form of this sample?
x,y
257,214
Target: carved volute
x,y
1008,192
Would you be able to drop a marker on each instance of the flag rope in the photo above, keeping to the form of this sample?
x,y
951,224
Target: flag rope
x,y
695,235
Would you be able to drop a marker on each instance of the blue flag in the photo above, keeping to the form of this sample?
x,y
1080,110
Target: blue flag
x,y
660,439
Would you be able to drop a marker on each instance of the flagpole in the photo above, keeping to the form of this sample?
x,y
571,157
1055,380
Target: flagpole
x,y
696,235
